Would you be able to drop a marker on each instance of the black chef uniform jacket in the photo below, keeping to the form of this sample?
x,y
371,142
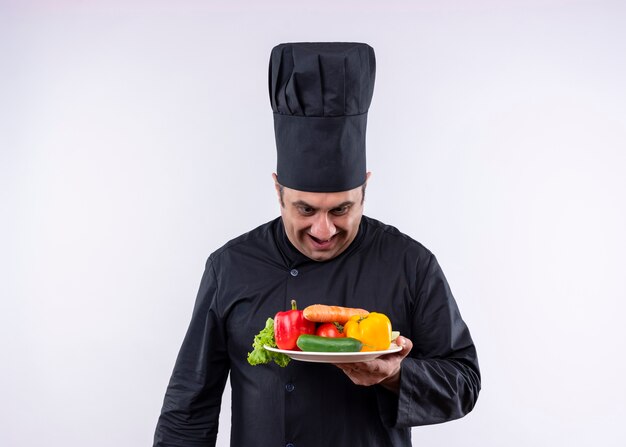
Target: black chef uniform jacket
x,y
306,404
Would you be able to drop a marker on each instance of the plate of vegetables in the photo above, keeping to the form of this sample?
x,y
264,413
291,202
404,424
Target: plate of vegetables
x,y
334,357
324,334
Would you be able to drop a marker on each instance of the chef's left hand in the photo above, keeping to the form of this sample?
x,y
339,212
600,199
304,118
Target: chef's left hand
x,y
384,370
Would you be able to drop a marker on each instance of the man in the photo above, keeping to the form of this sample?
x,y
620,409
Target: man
x,y
322,250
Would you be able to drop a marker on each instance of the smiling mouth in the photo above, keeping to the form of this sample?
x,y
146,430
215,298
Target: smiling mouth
x,y
323,244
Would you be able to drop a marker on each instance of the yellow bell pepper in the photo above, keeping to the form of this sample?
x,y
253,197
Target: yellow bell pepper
x,y
374,331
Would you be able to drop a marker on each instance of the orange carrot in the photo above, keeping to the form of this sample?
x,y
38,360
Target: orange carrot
x,y
321,313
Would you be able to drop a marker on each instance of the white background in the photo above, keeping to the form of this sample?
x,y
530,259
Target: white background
x,y
136,137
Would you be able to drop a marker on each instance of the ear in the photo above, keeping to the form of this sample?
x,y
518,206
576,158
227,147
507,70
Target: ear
x,y
277,188
364,186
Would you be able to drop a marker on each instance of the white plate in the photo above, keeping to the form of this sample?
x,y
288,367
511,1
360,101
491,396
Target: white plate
x,y
335,357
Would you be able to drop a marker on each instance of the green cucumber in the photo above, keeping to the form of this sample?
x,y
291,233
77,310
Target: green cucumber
x,y
315,343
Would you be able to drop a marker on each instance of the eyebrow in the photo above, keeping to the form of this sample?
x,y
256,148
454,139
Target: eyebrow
x,y
303,203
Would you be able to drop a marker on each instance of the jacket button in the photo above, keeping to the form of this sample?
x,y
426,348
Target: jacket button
x,y
294,272
290,387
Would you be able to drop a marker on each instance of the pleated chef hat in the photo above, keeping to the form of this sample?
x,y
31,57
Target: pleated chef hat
x,y
320,95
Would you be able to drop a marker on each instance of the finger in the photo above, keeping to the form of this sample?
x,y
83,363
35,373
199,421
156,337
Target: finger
x,y
405,344
354,369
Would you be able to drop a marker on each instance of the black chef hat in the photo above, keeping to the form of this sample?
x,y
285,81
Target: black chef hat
x,y
320,95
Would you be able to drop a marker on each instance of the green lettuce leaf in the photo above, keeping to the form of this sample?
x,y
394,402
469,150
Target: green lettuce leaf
x,y
259,354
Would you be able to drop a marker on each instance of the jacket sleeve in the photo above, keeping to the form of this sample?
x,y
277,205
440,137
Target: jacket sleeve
x,y
191,407
440,379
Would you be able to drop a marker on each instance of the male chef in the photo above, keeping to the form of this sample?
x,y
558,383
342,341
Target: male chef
x,y
321,250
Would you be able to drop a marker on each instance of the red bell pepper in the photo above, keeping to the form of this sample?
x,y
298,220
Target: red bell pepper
x,y
289,325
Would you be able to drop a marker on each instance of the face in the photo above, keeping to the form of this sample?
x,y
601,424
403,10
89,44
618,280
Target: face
x,y
321,225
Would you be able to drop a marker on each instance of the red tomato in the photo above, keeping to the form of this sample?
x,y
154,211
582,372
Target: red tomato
x,y
329,330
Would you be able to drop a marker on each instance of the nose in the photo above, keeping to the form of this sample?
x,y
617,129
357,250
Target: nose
x,y
323,227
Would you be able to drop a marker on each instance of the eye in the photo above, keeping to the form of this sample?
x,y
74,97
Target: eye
x,y
305,210
341,210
